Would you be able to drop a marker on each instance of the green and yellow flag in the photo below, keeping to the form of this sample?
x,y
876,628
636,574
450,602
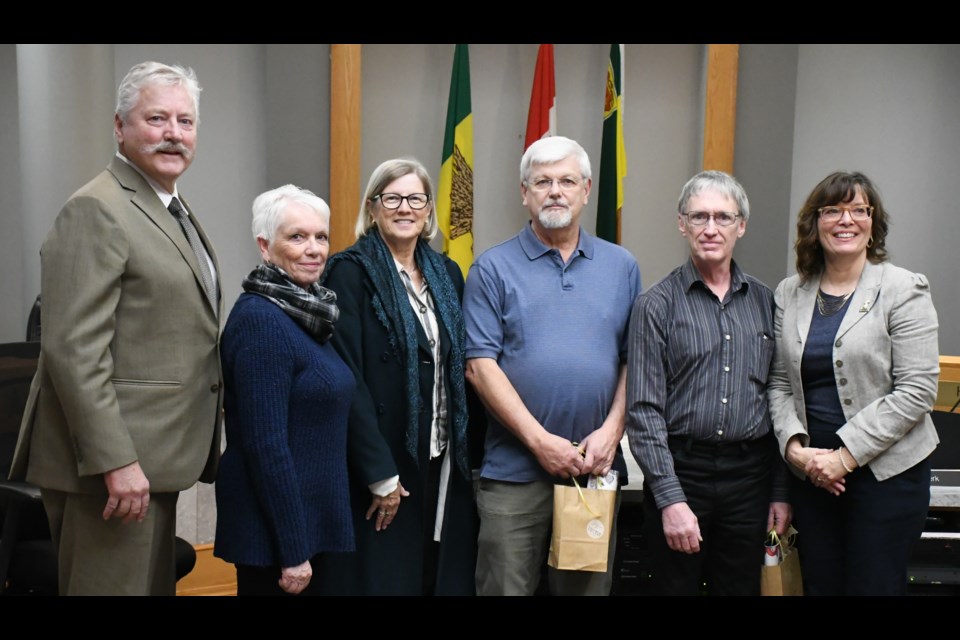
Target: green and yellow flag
x,y
455,192
613,155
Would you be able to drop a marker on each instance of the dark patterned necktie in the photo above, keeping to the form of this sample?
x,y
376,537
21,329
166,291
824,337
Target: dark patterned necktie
x,y
190,231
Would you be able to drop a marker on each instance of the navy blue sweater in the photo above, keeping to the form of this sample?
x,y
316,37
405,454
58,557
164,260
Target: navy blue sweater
x,y
282,492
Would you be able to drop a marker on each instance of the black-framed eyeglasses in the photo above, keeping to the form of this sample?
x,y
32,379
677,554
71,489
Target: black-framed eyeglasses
x,y
720,218
857,212
394,200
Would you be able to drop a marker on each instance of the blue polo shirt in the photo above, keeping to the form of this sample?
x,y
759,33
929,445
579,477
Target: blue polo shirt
x,y
558,331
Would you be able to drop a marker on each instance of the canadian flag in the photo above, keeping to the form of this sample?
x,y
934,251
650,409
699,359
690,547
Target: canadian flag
x,y
542,118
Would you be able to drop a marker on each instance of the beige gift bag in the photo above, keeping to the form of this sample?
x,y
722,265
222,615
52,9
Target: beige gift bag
x,y
782,578
582,522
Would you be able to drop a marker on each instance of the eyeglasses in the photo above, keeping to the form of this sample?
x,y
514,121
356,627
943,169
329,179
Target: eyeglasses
x,y
857,212
394,200
720,218
566,183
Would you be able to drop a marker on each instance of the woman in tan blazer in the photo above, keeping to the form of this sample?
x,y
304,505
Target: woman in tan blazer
x,y
853,381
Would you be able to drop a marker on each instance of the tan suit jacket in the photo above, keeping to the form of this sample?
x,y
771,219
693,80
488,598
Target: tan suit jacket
x,y
886,363
129,366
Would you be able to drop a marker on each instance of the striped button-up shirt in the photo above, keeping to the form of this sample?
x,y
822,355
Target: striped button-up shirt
x,y
697,369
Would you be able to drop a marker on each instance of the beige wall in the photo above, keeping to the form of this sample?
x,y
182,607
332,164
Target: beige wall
x,y
405,92
65,121
766,97
13,317
890,111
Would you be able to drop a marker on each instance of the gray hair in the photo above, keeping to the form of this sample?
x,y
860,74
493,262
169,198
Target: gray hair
x,y
156,73
719,181
268,208
383,175
551,150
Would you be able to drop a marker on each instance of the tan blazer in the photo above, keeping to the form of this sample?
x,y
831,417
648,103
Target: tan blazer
x,y
886,363
129,366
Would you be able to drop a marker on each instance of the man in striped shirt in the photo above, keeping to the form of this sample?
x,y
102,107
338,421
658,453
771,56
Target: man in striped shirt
x,y
700,348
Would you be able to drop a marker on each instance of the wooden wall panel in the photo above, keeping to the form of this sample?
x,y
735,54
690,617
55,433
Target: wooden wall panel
x,y
720,112
345,128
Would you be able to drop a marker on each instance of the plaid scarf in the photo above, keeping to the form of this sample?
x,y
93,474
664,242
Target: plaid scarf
x,y
314,309
392,308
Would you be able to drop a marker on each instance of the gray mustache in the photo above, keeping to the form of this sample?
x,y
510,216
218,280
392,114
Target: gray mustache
x,y
167,146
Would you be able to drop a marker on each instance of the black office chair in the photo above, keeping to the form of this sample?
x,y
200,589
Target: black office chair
x,y
28,561
25,537
33,322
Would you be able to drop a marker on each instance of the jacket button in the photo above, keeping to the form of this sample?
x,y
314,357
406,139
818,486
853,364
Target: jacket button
x,y
839,343
381,409
843,381
214,388
384,357
839,363
848,402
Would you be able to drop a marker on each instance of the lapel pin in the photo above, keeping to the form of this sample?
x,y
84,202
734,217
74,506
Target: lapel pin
x,y
865,306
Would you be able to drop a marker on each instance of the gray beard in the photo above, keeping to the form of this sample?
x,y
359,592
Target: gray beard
x,y
551,220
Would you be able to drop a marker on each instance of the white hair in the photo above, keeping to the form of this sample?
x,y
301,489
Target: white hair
x,y
550,151
720,182
156,73
268,208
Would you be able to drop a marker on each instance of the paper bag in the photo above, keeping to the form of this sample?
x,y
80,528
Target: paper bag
x,y
783,579
582,522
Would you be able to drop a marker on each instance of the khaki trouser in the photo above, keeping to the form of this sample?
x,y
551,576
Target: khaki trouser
x,y
98,557
515,526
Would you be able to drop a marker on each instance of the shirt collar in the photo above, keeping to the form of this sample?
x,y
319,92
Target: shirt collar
x,y
400,268
689,275
534,248
165,197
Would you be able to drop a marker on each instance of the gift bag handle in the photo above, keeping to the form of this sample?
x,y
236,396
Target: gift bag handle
x,y
786,542
584,499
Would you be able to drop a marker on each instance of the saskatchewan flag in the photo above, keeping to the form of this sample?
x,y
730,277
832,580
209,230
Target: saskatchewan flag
x,y
455,192
613,155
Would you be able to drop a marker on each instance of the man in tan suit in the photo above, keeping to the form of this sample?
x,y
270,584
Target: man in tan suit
x,y
124,411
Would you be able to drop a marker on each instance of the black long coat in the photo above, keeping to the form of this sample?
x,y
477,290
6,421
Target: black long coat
x,y
390,562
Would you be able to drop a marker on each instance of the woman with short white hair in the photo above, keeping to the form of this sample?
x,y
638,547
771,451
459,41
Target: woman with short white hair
x,y
282,494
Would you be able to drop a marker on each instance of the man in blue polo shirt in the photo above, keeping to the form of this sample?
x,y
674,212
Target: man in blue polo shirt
x,y
546,315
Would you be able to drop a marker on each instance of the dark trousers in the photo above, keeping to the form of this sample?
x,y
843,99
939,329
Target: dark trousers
x,y
859,543
728,489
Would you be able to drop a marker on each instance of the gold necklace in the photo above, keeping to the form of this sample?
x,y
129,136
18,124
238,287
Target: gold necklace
x,y
829,307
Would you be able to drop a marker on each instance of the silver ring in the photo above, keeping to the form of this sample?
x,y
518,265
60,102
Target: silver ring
x,y
819,478
382,513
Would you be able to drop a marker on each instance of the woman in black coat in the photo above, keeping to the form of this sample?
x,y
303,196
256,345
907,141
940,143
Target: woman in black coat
x,y
401,331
